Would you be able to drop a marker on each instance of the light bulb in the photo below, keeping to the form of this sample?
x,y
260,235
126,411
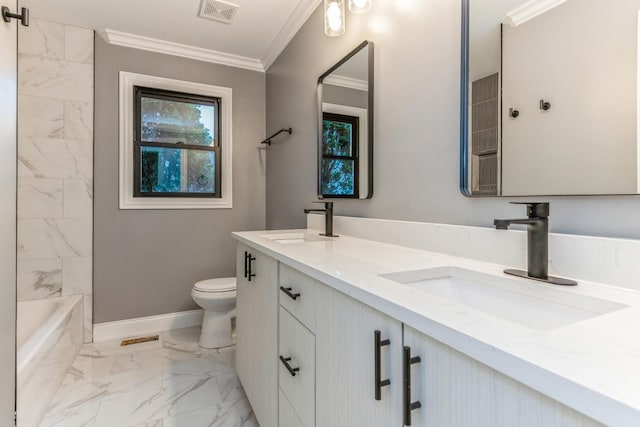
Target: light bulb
x,y
333,13
359,6
334,17
335,24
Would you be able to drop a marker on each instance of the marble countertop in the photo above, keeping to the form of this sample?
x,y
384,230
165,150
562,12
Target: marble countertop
x,y
592,366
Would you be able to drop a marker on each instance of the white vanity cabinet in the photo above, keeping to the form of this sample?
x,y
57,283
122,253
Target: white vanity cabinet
x,y
287,416
452,389
457,391
309,355
346,368
257,332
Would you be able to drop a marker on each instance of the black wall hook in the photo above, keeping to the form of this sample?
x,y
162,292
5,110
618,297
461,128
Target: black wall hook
x,y
544,105
23,17
513,113
268,140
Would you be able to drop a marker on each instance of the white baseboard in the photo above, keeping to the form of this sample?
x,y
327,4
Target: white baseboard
x,y
131,328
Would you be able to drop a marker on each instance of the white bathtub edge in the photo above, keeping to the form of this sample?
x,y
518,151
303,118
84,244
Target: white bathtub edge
x,y
30,350
128,328
46,356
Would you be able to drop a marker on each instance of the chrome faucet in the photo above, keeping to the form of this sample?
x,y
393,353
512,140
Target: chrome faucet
x,y
328,218
537,223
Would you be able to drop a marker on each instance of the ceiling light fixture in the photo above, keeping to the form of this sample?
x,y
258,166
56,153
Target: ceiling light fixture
x,y
530,10
359,6
334,19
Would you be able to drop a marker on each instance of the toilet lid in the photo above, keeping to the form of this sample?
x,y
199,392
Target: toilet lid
x,y
222,284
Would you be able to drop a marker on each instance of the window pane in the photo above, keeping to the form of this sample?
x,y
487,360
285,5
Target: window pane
x,y
338,177
201,171
337,138
173,170
173,121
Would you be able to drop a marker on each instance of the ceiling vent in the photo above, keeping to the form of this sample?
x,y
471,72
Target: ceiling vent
x,y
218,10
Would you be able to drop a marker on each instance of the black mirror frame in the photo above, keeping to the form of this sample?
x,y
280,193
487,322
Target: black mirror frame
x,y
464,102
369,45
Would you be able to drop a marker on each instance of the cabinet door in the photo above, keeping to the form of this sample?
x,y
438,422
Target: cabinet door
x,y
257,333
345,363
457,391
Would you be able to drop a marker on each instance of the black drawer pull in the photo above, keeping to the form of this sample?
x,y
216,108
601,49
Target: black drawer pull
x,y
285,361
406,395
250,273
246,265
289,293
379,383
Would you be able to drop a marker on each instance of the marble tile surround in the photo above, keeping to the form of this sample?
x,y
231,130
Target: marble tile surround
x,y
171,382
609,261
55,163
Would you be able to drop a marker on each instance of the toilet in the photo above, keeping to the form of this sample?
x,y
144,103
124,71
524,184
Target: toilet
x,y
218,299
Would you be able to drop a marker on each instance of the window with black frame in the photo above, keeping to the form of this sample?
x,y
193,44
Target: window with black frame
x,y
339,155
177,144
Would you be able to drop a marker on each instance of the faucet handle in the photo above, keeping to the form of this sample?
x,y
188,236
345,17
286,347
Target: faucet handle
x,y
535,209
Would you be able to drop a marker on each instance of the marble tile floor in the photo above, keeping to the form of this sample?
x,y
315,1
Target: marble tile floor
x,y
168,383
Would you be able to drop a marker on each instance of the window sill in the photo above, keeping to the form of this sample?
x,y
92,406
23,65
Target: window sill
x,y
173,203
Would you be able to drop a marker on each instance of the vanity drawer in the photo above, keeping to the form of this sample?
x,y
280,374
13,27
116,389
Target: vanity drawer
x,y
297,295
287,416
297,366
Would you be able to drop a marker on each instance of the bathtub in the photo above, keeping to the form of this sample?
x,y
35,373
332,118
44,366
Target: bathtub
x,y
48,337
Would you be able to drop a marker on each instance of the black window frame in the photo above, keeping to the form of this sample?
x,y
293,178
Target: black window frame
x,y
355,152
138,143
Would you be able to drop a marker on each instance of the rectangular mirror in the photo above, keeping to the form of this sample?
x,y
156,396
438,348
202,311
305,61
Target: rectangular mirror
x,y
345,127
549,97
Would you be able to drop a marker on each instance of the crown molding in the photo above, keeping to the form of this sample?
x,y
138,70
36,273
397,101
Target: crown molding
x,y
348,82
530,10
297,19
293,24
177,49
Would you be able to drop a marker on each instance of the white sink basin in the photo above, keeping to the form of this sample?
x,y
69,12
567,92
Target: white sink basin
x,y
292,238
534,305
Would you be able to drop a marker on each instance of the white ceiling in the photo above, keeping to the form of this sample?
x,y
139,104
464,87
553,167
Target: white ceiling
x,y
260,27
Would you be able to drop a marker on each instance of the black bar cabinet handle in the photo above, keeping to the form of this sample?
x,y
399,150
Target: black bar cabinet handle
x,y
378,344
406,395
246,267
289,293
285,361
250,273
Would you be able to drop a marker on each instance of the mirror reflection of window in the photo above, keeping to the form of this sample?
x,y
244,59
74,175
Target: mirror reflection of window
x,y
339,155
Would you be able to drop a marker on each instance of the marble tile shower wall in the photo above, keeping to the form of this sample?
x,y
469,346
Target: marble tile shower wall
x,y
55,163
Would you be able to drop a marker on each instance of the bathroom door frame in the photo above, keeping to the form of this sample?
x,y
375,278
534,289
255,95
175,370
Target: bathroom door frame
x,y
8,209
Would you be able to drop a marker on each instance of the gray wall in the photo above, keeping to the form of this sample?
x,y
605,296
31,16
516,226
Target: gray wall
x,y
417,61
146,261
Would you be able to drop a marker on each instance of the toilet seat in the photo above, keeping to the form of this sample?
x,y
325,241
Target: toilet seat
x,y
223,284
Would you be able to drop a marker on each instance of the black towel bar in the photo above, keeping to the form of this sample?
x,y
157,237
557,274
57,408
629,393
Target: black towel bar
x,y
268,140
